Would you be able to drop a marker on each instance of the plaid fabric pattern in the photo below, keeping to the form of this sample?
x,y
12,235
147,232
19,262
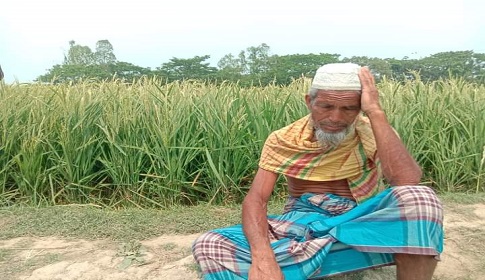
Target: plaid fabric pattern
x,y
290,151
426,205
324,234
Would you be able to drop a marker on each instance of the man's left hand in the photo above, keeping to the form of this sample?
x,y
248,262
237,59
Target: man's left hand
x,y
370,94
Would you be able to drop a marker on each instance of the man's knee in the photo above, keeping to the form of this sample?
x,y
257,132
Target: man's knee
x,y
415,191
419,202
214,252
211,245
202,245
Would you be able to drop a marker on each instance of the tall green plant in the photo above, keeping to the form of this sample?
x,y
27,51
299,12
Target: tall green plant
x,y
443,125
155,144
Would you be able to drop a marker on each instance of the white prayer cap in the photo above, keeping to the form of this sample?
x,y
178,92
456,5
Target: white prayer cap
x,y
337,76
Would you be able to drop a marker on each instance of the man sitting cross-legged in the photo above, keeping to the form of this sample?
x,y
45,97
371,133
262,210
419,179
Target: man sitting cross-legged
x,y
339,217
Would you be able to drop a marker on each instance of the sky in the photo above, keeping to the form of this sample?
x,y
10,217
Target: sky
x,y
35,35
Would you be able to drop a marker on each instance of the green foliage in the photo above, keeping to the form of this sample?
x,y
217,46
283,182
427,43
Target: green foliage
x,y
185,69
256,66
459,64
231,68
104,53
122,71
79,55
133,254
81,64
442,124
464,64
379,67
285,69
83,55
153,144
257,59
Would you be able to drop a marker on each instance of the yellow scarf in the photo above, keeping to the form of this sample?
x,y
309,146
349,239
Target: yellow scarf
x,y
291,151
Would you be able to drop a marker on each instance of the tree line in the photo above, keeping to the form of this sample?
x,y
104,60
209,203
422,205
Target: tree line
x,y
257,66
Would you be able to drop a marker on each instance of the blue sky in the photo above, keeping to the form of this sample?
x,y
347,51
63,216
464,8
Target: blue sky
x,y
35,35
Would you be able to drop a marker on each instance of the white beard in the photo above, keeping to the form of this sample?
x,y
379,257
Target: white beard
x,y
327,139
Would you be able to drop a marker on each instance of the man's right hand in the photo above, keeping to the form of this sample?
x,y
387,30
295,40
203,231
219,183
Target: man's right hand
x,y
255,226
267,270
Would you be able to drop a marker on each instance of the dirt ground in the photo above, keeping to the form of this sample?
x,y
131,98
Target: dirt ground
x,y
169,257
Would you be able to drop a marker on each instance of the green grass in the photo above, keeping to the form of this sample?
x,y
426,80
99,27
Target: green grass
x,y
88,222
32,261
463,198
5,255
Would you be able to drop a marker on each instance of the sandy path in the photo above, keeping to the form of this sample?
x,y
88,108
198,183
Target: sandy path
x,y
169,257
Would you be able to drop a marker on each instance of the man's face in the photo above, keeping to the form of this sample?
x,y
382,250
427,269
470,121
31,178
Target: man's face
x,y
333,113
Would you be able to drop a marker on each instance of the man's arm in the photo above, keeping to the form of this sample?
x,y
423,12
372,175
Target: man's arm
x,y
398,166
255,226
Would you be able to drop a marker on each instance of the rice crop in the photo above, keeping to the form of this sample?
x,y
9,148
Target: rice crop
x,y
150,144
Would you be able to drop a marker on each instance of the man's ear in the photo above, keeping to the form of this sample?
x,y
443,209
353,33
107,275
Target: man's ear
x,y
308,101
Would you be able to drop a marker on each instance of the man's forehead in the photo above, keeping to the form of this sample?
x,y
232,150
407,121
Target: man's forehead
x,y
343,98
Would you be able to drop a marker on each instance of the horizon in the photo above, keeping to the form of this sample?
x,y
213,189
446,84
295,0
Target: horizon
x,y
149,34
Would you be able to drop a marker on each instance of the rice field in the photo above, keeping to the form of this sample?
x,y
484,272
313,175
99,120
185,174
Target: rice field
x,y
152,145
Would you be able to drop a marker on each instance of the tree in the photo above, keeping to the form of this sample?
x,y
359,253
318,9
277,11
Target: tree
x,y
104,53
255,65
284,69
405,69
129,72
81,63
258,59
478,72
78,55
380,67
463,64
191,68
68,73
250,67
71,73
230,68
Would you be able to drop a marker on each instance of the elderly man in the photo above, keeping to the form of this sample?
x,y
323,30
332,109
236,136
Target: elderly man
x,y
339,216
